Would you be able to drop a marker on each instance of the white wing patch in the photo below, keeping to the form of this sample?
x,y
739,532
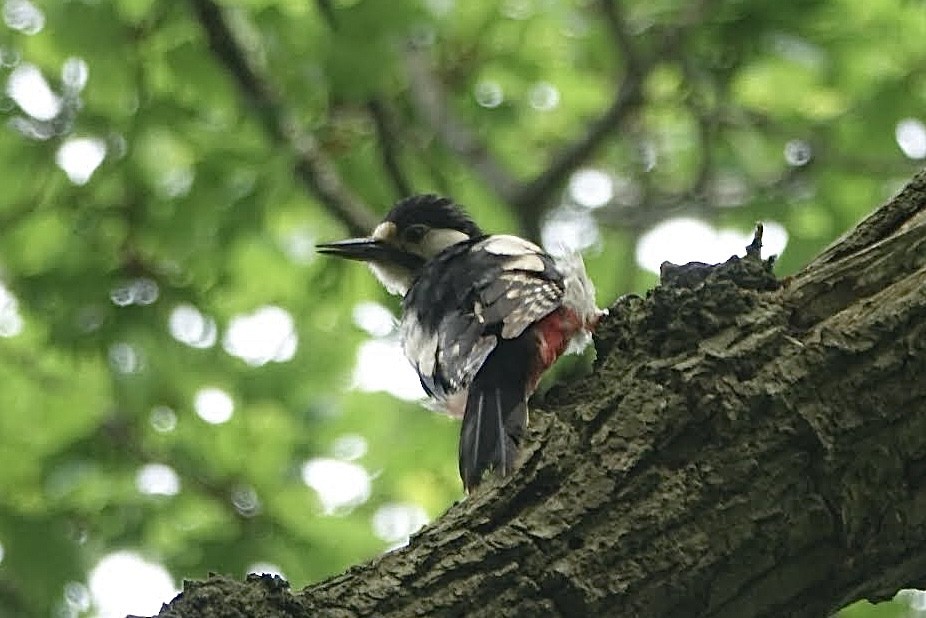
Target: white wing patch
x,y
462,347
526,262
419,346
446,360
503,244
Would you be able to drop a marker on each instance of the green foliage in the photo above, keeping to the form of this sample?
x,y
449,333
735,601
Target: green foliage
x,y
197,206
889,609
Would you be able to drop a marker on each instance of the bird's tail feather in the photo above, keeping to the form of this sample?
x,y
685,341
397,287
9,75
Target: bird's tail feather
x,y
494,420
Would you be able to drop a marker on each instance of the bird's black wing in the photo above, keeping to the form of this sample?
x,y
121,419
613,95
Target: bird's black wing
x,y
470,297
465,326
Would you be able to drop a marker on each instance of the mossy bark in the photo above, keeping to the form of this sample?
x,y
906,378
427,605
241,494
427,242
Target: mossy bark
x,y
745,447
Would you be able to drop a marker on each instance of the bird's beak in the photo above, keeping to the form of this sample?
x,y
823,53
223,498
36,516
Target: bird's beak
x,y
361,249
369,250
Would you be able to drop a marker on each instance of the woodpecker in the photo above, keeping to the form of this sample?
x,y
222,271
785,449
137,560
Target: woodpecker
x,y
483,316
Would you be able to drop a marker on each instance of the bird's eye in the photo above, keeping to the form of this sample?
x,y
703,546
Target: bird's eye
x,y
414,233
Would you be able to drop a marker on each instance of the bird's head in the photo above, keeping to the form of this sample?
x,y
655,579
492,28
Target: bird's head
x,y
415,230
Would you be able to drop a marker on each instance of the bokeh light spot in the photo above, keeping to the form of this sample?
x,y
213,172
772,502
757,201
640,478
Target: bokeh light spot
x,y
9,57
139,291
591,188
23,16
176,182
74,73
440,8
29,89
518,9
543,97
910,134
77,597
489,94
374,318
382,366
245,500
157,479
145,291
124,358
798,152
121,295
340,485
124,583
298,245
913,598
214,405
396,522
683,239
349,447
163,419
265,568
569,229
729,190
11,323
268,334
189,326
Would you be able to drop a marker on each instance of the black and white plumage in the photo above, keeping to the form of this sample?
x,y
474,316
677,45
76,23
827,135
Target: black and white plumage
x,y
483,317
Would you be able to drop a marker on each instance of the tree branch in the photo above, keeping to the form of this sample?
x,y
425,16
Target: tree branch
x,y
613,11
533,196
379,113
530,199
317,173
388,146
327,11
742,449
431,102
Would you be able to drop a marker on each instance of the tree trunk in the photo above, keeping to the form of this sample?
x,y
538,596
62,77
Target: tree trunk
x,y
744,448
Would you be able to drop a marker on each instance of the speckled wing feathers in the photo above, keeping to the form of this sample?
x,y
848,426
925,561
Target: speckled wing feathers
x,y
469,296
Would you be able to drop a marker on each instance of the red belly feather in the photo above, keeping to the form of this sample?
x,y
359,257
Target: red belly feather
x,y
553,333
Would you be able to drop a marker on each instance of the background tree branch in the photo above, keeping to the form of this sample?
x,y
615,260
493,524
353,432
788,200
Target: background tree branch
x,y
313,168
616,18
533,197
433,106
743,448
389,140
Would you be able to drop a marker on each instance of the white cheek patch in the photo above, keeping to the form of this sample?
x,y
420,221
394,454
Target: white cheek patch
x,y
510,245
436,241
395,279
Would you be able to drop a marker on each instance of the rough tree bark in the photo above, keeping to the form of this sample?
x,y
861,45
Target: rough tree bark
x,y
744,447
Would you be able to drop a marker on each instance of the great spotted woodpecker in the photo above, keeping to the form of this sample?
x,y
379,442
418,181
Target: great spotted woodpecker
x,y
482,318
